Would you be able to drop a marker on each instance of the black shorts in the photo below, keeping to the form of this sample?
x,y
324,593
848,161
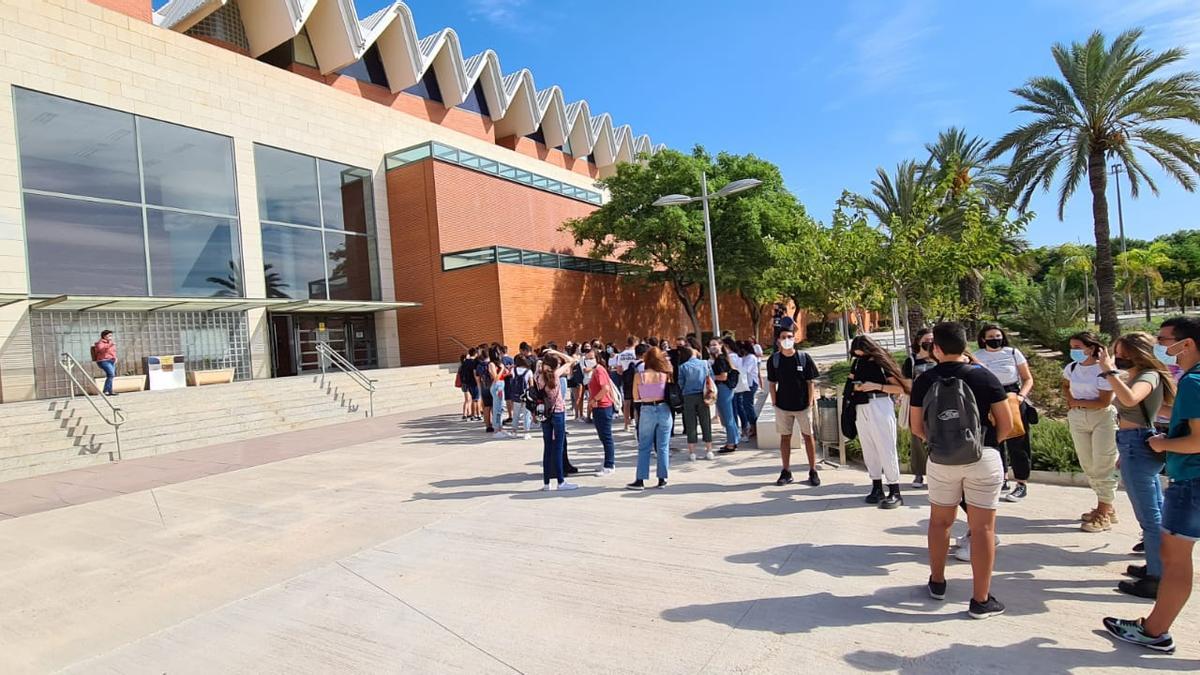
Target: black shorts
x,y
487,398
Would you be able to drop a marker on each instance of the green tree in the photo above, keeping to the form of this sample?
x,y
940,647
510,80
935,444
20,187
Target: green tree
x,y
1143,265
1111,102
1005,293
1184,270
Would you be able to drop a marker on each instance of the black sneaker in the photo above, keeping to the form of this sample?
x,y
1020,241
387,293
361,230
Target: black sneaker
x,y
489,430
892,501
814,479
1136,571
1132,632
1018,493
937,589
725,450
785,478
875,496
571,470
985,610
1004,488
508,422
1146,587
662,483
637,485
1140,548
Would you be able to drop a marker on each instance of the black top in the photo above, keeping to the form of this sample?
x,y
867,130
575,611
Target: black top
x,y
791,380
920,365
467,371
983,384
720,366
865,370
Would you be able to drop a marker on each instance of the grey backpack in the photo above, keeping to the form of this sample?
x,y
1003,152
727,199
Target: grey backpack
x,y
952,422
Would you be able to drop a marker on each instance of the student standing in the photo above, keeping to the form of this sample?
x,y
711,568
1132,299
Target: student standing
x,y
727,377
654,418
1178,343
624,363
1011,367
1093,428
497,374
748,366
104,353
484,382
521,380
950,412
920,361
696,383
1143,391
791,382
877,378
602,397
555,366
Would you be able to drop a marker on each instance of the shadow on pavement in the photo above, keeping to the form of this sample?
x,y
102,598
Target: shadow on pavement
x,y
1037,654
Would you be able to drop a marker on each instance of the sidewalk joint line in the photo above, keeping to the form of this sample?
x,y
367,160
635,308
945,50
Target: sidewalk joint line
x,y
156,506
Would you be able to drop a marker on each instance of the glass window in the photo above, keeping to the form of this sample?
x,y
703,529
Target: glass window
x,y
349,267
345,197
192,255
76,148
509,255
454,261
187,168
83,247
287,186
294,262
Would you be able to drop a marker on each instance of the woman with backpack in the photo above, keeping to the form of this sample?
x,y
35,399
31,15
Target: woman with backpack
x,y
918,362
520,382
654,418
876,377
1142,387
549,384
748,384
1092,420
497,374
727,377
1009,366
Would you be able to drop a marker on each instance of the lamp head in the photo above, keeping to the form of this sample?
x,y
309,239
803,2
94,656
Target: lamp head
x,y
738,186
673,200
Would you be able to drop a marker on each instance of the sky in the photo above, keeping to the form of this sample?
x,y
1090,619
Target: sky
x,y
828,91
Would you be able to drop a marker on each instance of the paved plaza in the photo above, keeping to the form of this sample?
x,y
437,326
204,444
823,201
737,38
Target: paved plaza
x,y
413,544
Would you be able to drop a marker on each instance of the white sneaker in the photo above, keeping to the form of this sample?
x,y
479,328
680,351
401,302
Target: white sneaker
x,y
605,472
692,456
547,488
501,435
567,486
710,455
964,549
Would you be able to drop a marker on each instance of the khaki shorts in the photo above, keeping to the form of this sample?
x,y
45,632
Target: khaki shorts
x,y
979,482
786,420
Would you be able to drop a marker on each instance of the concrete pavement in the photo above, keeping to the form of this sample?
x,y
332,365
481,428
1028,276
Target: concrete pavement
x,y
428,549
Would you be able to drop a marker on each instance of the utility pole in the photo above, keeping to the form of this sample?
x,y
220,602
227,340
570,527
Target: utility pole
x,y
1117,170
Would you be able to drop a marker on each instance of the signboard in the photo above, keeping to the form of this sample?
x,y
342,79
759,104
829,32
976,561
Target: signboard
x,y
166,372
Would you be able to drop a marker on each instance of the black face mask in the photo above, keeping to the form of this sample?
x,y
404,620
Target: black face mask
x,y
993,344
1123,364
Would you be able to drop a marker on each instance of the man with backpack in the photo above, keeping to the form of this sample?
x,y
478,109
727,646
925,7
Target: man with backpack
x,y
791,377
950,413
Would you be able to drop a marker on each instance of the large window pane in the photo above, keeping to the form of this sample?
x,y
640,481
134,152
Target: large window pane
x,y
84,247
294,262
287,186
345,197
192,255
349,267
76,148
186,168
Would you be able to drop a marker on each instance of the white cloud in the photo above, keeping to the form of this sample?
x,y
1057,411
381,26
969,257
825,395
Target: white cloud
x,y
884,42
1168,23
505,13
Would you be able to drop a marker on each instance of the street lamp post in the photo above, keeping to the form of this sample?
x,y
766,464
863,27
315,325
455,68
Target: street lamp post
x,y
1117,169
679,200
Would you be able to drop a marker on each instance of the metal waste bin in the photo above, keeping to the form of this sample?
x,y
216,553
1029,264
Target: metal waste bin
x,y
828,426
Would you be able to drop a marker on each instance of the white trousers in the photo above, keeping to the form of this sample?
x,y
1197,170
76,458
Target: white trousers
x,y
877,434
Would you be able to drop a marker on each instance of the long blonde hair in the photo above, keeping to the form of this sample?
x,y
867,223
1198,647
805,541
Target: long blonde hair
x,y
1139,349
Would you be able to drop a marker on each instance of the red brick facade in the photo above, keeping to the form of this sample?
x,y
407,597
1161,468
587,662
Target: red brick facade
x,y
138,9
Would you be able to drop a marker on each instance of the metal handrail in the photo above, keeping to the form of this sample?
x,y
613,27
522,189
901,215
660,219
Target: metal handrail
x,y
330,355
70,366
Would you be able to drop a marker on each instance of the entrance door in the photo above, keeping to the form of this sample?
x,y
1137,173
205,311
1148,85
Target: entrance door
x,y
360,341
313,329
284,354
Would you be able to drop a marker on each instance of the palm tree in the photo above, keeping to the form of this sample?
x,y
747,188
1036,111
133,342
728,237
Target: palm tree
x,y
1076,258
1109,103
972,168
895,198
1145,265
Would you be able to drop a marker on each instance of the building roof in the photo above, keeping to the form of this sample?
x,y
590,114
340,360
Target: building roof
x,y
339,38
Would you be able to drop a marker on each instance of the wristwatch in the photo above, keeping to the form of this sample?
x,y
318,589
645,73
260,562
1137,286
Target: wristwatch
x,y
1110,373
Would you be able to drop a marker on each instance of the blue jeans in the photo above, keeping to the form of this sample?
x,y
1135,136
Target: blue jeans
x,y
110,371
1140,467
654,432
602,418
497,391
554,444
733,434
1181,509
521,416
743,405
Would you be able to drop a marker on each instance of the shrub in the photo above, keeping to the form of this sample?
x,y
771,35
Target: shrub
x,y
838,373
1053,449
821,333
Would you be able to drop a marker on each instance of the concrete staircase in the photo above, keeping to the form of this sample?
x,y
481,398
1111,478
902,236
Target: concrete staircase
x,y
56,435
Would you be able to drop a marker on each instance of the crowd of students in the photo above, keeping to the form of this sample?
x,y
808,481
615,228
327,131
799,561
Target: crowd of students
x,y
967,411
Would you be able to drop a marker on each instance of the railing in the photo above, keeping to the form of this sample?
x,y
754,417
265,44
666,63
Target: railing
x,y
330,356
115,418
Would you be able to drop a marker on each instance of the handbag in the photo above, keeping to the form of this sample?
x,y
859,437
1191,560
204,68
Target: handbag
x,y
849,413
1018,425
674,396
903,415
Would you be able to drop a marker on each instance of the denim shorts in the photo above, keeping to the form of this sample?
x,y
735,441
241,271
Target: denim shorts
x,y
1181,509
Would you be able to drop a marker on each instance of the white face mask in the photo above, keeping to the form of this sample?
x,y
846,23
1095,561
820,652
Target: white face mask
x,y
787,343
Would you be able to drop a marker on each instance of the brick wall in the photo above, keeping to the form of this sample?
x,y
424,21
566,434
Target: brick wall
x,y
138,9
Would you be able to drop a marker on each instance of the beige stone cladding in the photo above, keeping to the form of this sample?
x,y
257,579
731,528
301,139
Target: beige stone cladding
x,y
82,51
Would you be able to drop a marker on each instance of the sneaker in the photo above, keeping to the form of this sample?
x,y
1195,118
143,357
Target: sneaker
x,y
637,485
785,478
710,455
814,479
691,456
500,435
985,610
507,422
876,495
726,450
1136,571
662,483
919,483
567,486
1133,633
1018,493
937,589
489,430
1112,517
1146,587
525,437
546,487
605,472
1099,523
963,552
1140,548
892,501
571,470
1005,488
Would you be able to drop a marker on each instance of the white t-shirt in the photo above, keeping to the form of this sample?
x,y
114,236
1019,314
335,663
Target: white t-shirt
x,y
588,365
749,367
625,359
1086,383
739,365
758,350
1003,364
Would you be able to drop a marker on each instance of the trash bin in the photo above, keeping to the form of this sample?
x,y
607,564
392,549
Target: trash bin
x,y
829,433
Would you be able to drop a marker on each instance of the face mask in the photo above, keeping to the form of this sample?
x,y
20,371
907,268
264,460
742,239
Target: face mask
x,y
927,346
787,343
1078,355
1160,353
993,344
1123,364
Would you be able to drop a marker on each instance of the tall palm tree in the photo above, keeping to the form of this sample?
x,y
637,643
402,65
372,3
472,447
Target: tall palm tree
x,y
895,198
972,167
1110,103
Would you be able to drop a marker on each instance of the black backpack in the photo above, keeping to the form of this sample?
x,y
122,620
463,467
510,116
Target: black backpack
x,y
534,400
953,424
